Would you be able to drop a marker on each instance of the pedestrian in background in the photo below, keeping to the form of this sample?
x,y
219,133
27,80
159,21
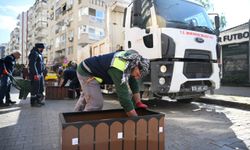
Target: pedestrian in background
x,y
69,74
36,70
7,66
121,68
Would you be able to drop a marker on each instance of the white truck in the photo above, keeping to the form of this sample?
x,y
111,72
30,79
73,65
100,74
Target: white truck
x,y
178,38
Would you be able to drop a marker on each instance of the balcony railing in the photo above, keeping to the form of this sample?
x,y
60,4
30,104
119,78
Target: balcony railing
x,y
41,35
40,5
41,25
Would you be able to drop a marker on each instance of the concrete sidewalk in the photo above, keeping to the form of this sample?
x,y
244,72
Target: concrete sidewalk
x,y
237,95
30,128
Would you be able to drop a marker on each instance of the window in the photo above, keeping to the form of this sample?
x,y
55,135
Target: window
x,y
71,34
144,20
70,2
99,14
57,41
91,30
62,38
64,8
70,50
82,29
83,11
58,12
92,12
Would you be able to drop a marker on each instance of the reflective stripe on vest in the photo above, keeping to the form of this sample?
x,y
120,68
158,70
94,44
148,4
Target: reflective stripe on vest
x,y
119,63
116,63
99,80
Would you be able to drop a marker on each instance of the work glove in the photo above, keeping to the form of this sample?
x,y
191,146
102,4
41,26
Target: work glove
x,y
36,77
5,72
141,105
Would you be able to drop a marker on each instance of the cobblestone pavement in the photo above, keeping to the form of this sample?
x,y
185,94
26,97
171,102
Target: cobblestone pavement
x,y
195,126
204,127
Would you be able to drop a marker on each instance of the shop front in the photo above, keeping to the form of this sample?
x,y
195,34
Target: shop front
x,y
235,55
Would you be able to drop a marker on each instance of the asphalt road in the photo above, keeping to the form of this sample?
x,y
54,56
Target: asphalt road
x,y
202,125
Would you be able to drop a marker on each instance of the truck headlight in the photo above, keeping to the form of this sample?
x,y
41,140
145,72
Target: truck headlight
x,y
162,81
163,68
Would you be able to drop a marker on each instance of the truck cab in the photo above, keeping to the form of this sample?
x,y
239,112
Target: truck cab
x,y
181,43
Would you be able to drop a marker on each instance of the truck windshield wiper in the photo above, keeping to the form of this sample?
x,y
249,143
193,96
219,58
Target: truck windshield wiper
x,y
178,22
205,29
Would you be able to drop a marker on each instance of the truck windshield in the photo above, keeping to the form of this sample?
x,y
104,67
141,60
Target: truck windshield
x,y
182,14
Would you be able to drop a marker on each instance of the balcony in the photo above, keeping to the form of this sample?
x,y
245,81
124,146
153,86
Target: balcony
x,y
92,21
40,5
40,35
62,45
41,25
30,34
83,39
86,38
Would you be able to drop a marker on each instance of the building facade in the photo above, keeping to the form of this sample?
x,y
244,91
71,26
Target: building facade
x,y
38,26
235,44
72,25
14,43
23,35
2,51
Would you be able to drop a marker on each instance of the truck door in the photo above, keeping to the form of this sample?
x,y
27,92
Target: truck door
x,y
141,31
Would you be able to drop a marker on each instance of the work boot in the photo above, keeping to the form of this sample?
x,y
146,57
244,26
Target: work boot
x,y
10,102
33,102
40,99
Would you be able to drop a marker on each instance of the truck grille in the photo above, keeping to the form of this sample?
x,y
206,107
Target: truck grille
x,y
197,64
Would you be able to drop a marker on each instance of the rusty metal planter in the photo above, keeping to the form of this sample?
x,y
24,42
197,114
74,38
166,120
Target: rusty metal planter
x,y
112,130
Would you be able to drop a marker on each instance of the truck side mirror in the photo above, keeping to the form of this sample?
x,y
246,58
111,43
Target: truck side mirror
x,y
217,22
217,25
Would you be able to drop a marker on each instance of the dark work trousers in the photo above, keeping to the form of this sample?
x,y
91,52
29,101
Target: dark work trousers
x,y
5,85
37,87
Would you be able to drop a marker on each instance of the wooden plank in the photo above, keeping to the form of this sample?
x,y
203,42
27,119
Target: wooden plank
x,y
86,137
129,135
116,136
69,135
102,137
153,134
141,135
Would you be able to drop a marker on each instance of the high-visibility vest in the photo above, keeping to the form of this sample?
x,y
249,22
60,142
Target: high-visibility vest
x,y
119,63
116,63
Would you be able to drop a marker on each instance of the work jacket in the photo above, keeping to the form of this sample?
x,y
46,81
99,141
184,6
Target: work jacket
x,y
7,63
36,64
109,69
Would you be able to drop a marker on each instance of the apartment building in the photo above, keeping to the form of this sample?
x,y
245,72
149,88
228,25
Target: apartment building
x,y
38,26
2,50
23,35
72,25
31,31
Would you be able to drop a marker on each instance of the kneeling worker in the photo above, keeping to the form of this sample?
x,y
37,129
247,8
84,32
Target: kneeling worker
x,y
117,68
